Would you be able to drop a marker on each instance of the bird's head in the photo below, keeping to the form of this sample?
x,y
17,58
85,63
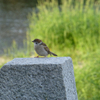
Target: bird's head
x,y
37,41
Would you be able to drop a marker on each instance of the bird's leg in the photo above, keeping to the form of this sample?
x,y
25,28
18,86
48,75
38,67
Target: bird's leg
x,y
36,57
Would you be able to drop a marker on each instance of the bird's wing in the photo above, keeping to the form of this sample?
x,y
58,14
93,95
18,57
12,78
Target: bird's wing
x,y
43,44
45,47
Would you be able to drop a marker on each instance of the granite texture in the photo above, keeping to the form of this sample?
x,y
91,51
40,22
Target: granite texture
x,y
38,79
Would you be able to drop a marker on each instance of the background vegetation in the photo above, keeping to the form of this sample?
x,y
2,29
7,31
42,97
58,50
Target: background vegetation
x,y
72,29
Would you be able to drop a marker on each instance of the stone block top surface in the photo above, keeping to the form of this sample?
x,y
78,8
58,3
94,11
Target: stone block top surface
x,y
32,61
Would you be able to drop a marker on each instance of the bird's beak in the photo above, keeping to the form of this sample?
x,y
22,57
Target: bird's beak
x,y
33,41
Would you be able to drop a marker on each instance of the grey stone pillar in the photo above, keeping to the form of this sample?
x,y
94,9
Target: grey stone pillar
x,y
38,79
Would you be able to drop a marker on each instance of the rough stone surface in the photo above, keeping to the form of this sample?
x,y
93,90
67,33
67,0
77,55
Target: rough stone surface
x,y
38,79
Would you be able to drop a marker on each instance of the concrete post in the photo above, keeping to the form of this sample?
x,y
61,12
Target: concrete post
x,y
38,79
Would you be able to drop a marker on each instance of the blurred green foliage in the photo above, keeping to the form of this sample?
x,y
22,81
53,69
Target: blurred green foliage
x,y
87,77
74,28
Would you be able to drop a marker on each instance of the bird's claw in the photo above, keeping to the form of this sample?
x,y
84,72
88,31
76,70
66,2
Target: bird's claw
x,y
36,57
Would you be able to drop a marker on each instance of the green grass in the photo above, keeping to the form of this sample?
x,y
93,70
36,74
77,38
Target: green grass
x,y
74,31
73,28
87,77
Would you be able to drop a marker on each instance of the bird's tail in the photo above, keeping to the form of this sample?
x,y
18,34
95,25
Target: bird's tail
x,y
53,53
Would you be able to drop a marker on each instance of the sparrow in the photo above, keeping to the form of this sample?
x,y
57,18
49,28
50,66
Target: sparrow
x,y
41,48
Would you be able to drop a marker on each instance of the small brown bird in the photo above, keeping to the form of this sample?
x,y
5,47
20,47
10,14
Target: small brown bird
x,y
41,48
